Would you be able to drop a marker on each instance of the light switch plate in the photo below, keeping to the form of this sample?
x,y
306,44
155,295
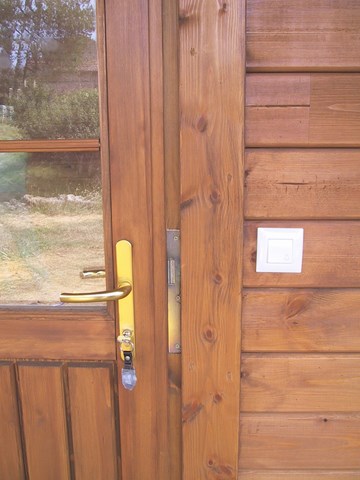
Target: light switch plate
x,y
279,250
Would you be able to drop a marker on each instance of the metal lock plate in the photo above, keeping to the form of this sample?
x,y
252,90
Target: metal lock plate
x,y
174,291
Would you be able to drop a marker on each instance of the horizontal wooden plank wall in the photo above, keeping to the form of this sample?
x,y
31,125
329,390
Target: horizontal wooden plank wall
x,y
300,380
312,109
302,183
57,420
299,475
301,320
300,35
331,256
300,441
300,383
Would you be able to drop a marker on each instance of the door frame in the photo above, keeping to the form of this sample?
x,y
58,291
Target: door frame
x,y
135,131
212,91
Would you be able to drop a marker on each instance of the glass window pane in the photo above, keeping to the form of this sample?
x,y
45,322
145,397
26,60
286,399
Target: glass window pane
x,y
51,225
48,69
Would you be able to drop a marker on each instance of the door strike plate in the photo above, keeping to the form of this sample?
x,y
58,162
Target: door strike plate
x,y
174,291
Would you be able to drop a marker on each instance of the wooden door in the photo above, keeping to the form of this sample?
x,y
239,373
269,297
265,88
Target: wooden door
x,y
63,411
270,137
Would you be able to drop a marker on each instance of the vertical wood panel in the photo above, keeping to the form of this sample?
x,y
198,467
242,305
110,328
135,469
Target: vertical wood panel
x,y
91,397
136,141
44,421
11,463
172,207
211,104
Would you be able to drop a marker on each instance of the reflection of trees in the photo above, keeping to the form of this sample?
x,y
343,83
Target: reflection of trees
x,y
40,38
48,67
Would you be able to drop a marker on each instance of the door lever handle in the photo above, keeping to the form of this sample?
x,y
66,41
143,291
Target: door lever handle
x,y
122,291
124,296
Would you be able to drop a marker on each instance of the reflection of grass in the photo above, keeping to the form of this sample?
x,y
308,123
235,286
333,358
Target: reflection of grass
x,y
12,174
9,132
45,253
28,231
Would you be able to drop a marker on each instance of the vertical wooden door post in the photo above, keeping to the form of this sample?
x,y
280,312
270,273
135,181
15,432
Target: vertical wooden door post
x,y
212,38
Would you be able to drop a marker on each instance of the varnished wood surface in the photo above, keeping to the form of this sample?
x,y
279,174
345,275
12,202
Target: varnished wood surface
x,y
66,425
331,256
303,35
211,105
86,145
301,320
11,459
91,402
175,420
104,151
300,383
172,208
318,109
49,336
136,157
44,421
300,441
302,184
299,475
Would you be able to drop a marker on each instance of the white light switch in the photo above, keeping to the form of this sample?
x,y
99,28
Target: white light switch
x,y
279,250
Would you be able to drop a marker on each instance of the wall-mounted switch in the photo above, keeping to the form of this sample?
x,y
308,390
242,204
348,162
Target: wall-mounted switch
x,y
279,250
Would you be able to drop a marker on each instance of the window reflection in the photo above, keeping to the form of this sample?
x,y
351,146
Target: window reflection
x,y
48,69
51,225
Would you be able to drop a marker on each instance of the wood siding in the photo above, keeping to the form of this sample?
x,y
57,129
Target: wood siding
x,y
300,382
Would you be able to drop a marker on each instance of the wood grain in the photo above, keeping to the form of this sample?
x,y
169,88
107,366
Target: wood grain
x,y
331,256
301,320
172,207
136,158
104,151
300,383
11,460
44,421
300,441
302,184
92,410
86,145
211,105
57,336
291,90
315,109
303,35
171,113
299,475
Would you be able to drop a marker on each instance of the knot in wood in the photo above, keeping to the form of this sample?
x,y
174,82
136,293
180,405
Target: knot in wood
x,y
184,17
215,197
253,256
209,334
223,7
217,398
218,279
202,124
191,410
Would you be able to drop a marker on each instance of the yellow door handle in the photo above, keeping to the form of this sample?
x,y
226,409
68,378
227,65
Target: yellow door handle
x,y
123,294
122,291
